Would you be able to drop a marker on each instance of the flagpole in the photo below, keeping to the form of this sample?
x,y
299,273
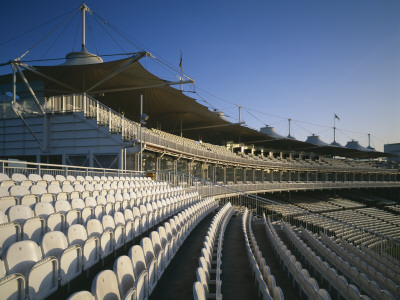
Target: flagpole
x,y
334,127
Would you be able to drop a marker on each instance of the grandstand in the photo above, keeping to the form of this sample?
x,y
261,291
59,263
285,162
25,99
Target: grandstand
x,y
97,204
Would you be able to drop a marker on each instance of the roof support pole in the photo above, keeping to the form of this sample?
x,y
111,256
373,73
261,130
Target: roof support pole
x,y
119,70
29,87
29,68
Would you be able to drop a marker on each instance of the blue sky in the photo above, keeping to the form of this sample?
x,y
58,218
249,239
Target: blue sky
x,y
304,60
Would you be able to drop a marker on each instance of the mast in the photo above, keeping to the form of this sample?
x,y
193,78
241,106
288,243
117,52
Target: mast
x,y
83,8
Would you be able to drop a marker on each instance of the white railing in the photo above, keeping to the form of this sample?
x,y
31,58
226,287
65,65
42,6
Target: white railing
x,y
129,130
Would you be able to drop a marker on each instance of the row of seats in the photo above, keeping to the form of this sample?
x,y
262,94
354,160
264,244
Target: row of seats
x,y
21,222
308,285
20,194
261,271
360,279
211,256
385,259
135,276
359,264
63,257
338,282
34,177
390,271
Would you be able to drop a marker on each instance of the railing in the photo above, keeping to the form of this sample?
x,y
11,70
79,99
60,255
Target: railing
x,y
129,130
9,167
239,198
259,205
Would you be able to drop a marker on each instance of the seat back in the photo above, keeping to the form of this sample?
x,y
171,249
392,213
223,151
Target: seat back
x,y
54,243
94,227
20,213
21,256
198,291
43,209
138,260
77,234
147,249
82,295
123,268
105,286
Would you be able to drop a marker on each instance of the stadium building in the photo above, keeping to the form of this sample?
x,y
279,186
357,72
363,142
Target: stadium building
x,y
112,150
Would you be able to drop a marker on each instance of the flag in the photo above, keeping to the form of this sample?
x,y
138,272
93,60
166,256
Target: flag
x,y
336,117
180,63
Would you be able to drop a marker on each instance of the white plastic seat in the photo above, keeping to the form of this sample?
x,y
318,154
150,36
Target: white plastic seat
x,y
4,191
106,237
10,233
158,252
72,216
129,217
86,212
151,262
12,287
164,244
119,219
77,234
143,218
140,271
33,228
41,275
7,201
105,286
119,231
81,295
17,177
198,291
55,244
171,239
54,220
54,188
126,279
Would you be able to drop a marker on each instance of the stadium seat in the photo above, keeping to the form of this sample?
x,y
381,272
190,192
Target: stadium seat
x,y
140,271
12,287
55,244
54,220
126,279
41,274
91,248
158,252
118,231
198,291
106,237
10,233
33,228
105,286
81,295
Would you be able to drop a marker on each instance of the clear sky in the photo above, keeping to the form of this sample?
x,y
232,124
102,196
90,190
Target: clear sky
x,y
298,59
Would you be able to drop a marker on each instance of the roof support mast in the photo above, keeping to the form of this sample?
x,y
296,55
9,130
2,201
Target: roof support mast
x,y
84,8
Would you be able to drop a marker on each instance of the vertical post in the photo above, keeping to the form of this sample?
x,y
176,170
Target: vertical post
x,y
83,7
141,142
240,113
